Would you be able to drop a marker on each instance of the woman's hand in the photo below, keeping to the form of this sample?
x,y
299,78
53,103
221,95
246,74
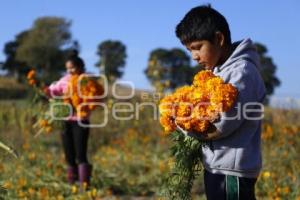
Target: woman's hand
x,y
46,91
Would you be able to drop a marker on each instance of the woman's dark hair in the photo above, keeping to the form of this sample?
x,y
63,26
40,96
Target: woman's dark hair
x,y
202,23
76,60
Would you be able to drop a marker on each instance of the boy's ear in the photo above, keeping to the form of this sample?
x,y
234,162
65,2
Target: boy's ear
x,y
220,39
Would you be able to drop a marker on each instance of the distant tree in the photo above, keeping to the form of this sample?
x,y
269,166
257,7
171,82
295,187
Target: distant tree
x,y
112,59
168,69
267,70
11,64
46,45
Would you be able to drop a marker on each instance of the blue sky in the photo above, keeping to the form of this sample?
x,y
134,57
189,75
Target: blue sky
x,y
145,25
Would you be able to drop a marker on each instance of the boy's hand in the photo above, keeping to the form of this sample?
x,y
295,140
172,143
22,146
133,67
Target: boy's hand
x,y
210,134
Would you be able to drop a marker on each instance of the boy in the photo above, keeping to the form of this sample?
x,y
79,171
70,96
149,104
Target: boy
x,y
232,158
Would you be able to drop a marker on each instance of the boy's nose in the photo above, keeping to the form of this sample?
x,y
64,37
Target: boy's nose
x,y
195,56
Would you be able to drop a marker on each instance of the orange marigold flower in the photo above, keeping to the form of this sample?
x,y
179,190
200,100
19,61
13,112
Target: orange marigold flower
x,y
31,74
43,123
92,107
49,129
32,82
82,114
202,77
168,124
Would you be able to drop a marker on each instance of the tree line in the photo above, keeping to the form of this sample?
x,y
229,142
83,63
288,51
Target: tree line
x,y
45,46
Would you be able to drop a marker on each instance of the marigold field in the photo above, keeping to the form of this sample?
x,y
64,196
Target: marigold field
x,y
130,158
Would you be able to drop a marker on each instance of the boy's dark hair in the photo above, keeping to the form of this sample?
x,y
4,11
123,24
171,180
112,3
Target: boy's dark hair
x,y
76,60
201,23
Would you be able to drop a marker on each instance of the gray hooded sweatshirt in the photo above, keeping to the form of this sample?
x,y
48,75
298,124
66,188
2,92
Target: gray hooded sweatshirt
x,y
237,150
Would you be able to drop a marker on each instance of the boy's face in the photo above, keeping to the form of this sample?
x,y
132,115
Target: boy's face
x,y
205,53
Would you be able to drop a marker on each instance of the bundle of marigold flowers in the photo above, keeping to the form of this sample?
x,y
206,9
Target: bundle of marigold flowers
x,y
194,107
36,84
82,92
40,100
